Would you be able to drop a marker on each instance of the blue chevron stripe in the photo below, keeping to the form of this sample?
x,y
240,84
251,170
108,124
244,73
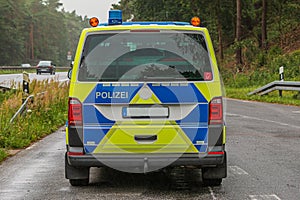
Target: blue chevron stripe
x,y
178,94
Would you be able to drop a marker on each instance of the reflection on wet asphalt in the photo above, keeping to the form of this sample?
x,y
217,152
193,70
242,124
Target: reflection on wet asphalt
x,y
175,183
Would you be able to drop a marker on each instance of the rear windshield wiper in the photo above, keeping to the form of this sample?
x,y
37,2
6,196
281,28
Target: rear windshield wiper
x,y
162,78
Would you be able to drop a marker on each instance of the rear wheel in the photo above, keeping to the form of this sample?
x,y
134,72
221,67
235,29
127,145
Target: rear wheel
x,y
212,176
79,182
78,176
212,182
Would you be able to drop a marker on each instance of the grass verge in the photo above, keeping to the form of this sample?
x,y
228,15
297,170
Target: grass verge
x,y
47,113
288,97
3,154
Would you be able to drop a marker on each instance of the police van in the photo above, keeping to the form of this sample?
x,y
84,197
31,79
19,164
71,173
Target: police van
x,y
145,96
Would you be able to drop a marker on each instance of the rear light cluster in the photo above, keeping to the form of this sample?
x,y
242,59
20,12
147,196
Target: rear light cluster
x,y
75,112
75,153
216,153
216,111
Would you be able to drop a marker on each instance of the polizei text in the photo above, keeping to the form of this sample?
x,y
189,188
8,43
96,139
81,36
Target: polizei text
x,y
112,95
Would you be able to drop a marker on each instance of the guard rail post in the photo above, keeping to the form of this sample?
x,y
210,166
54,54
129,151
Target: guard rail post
x,y
25,86
281,78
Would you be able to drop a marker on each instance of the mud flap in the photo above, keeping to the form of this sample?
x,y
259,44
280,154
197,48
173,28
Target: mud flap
x,y
76,172
218,172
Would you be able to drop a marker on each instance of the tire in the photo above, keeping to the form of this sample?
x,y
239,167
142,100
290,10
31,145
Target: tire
x,y
212,182
79,182
37,72
78,176
212,176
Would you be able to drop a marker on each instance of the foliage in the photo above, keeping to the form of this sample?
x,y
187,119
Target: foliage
x,y
3,154
47,113
260,76
4,95
33,30
289,97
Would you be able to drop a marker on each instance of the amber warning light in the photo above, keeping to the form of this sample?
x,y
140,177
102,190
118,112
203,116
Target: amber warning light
x,y
195,21
94,21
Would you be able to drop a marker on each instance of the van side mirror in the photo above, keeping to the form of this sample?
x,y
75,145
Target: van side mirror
x,y
70,73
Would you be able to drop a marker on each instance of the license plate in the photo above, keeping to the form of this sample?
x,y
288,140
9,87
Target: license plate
x,y
145,112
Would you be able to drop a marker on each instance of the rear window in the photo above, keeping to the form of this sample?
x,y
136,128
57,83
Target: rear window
x,y
44,63
145,56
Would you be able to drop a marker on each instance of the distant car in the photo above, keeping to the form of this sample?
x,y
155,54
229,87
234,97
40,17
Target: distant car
x,y
25,65
45,66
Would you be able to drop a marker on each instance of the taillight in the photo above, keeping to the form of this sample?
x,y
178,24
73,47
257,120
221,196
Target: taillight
x,y
75,112
216,111
75,153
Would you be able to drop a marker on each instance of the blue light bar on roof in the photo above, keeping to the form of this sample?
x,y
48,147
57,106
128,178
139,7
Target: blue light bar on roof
x,y
151,23
115,17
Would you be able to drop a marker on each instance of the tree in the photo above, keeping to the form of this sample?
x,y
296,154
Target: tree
x,y
36,29
238,34
264,25
11,27
127,8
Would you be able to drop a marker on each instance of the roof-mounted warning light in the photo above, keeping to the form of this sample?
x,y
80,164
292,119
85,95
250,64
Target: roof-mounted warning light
x,y
94,21
115,17
195,21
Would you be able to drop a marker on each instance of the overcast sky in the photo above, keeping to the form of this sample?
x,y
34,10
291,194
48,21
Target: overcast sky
x,y
91,8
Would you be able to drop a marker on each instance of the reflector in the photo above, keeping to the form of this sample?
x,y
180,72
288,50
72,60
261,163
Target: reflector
x,y
94,21
195,21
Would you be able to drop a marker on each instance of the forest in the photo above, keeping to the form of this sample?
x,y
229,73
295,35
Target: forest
x,y
32,30
252,38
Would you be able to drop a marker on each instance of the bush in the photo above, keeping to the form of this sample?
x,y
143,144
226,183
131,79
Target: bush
x,y
261,75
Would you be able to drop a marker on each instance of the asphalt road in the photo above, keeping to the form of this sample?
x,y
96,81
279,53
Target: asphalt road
x,y
263,145
12,80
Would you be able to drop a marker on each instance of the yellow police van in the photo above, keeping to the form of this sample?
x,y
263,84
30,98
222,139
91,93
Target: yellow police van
x,y
145,96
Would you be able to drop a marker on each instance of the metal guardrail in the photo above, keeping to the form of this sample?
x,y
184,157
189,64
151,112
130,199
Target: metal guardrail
x,y
24,68
22,108
277,85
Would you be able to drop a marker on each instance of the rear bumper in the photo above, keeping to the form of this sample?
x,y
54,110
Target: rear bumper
x,y
139,160
46,70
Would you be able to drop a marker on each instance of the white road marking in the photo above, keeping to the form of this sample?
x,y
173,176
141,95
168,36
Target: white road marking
x,y
265,120
264,197
296,111
237,170
212,193
65,189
